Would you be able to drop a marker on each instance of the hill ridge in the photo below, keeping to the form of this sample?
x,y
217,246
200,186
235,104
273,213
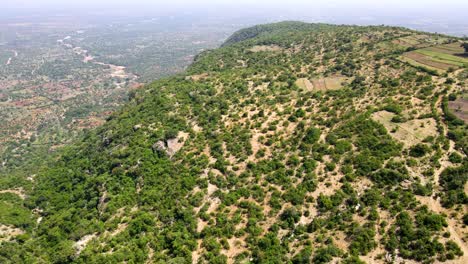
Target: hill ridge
x,y
285,147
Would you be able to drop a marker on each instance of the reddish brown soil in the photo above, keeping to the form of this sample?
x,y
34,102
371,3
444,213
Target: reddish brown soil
x,y
460,108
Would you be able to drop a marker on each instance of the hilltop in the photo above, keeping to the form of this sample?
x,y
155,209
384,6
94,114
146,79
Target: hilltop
x,y
292,143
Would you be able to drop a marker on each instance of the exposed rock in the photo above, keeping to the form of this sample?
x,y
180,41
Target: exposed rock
x,y
80,245
159,147
136,127
7,232
171,146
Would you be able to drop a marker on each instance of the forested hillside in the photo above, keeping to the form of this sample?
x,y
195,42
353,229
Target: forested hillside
x,y
292,143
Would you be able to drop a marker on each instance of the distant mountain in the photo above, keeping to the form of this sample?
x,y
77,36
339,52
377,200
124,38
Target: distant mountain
x,y
293,143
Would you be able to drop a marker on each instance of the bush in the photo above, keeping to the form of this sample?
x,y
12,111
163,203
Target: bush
x,y
453,180
303,257
312,135
394,108
419,150
455,157
290,216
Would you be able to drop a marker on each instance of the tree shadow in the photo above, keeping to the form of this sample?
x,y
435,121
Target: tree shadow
x,y
463,55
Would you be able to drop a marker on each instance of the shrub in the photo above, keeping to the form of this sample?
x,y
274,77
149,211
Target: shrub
x,y
312,135
419,150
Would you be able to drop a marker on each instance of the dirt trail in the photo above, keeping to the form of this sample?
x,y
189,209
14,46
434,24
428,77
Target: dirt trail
x,y
15,54
456,232
116,71
19,192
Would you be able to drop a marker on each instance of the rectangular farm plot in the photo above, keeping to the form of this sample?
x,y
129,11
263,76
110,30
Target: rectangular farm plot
x,y
444,57
440,58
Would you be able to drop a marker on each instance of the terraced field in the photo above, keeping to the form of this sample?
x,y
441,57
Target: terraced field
x,y
439,58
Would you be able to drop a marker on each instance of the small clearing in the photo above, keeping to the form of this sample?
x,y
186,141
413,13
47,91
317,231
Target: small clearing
x,y
197,77
7,232
265,48
329,83
175,144
409,133
118,71
459,108
120,228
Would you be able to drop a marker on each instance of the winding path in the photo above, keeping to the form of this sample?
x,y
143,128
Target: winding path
x,y
116,70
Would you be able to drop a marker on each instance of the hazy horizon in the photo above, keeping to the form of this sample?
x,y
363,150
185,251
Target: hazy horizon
x,y
428,4
448,17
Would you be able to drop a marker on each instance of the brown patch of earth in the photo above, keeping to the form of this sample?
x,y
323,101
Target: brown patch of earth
x,y
459,108
175,144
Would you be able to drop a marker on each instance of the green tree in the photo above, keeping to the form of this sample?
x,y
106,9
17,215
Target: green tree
x,y
465,46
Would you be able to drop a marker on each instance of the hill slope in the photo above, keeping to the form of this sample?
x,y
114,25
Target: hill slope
x,y
316,144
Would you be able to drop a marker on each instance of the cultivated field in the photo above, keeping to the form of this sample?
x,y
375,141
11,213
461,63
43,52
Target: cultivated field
x,y
439,58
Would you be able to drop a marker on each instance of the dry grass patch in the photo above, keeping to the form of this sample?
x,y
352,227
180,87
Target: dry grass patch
x,y
305,84
197,77
330,83
265,48
409,133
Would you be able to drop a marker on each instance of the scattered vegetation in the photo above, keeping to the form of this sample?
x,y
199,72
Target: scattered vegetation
x,y
270,172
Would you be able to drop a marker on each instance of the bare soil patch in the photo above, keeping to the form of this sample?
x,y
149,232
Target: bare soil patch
x,y
174,145
459,108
